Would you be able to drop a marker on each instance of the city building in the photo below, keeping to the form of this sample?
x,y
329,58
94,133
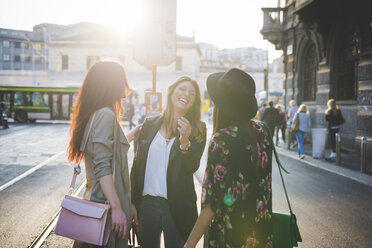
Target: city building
x,y
327,47
23,55
69,50
60,55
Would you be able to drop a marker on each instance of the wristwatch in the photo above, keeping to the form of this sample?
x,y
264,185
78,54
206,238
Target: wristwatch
x,y
185,149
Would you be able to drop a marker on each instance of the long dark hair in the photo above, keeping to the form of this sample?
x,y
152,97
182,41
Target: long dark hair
x,y
105,84
193,115
221,120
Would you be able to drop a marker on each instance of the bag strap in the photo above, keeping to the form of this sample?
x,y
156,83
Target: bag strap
x,y
76,173
77,167
280,166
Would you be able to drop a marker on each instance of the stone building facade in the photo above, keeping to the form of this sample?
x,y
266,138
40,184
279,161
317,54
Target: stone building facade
x,y
327,47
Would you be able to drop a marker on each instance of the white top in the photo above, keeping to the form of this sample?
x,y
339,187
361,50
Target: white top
x,y
157,166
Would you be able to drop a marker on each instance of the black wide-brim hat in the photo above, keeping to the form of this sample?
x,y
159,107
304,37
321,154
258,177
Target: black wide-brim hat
x,y
233,93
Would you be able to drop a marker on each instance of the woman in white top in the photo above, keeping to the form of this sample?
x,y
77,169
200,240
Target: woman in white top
x,y
169,150
303,128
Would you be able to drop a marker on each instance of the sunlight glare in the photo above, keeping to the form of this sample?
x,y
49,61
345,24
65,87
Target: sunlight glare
x,y
121,15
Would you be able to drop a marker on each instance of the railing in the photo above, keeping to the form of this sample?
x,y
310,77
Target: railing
x,y
273,18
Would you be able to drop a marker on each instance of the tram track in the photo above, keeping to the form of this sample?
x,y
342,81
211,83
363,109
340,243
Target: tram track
x,y
39,240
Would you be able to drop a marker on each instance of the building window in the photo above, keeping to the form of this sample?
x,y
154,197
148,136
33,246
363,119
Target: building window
x,y
64,62
27,58
17,58
37,46
28,45
3,32
347,69
17,44
6,57
179,63
38,60
309,73
91,60
6,43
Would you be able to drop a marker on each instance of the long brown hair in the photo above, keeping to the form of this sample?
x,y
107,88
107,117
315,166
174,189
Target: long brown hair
x,y
193,115
221,120
105,84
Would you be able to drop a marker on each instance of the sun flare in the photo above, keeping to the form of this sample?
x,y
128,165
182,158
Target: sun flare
x,y
121,15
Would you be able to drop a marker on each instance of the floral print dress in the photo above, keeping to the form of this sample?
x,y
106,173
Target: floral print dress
x,y
239,192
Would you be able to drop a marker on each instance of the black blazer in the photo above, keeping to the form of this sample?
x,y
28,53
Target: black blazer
x,y
180,181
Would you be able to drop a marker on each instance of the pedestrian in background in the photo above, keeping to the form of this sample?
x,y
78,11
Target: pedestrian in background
x,y
303,128
281,125
271,117
236,193
292,110
98,106
334,118
169,152
261,110
142,114
130,113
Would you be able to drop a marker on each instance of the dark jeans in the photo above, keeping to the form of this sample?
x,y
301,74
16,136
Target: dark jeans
x,y
272,130
154,218
277,134
130,117
332,138
79,244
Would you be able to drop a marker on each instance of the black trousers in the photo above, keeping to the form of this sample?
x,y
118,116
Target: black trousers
x,y
277,134
155,218
272,130
332,137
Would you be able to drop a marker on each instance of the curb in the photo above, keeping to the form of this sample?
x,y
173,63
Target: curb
x,y
351,174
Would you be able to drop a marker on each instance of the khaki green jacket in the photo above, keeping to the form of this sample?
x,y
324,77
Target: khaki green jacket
x,y
107,148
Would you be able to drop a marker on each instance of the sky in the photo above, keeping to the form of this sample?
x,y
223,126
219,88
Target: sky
x,y
223,23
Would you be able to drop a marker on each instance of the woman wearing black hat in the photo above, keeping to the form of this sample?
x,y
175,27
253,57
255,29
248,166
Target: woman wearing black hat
x,y
236,191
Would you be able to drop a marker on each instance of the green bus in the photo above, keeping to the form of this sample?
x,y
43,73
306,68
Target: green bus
x,y
30,103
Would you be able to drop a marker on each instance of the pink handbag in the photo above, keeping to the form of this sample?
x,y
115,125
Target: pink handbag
x,y
83,220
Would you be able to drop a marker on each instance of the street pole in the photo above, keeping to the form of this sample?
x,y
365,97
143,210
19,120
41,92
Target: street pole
x,y
266,76
154,78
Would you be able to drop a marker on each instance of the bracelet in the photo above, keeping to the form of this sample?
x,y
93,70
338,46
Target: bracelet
x,y
185,149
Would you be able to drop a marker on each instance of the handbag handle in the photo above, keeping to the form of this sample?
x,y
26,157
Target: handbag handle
x,y
76,173
280,167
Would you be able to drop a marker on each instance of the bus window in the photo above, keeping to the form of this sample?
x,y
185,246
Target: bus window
x,y
65,106
22,99
5,97
55,106
40,99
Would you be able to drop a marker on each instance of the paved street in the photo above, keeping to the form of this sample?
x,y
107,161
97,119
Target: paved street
x,y
332,211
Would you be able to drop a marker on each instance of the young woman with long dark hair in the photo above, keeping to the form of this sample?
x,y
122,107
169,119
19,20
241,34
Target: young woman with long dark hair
x,y
236,193
99,105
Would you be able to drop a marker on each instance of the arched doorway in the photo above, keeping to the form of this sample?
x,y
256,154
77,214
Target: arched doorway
x,y
345,67
309,67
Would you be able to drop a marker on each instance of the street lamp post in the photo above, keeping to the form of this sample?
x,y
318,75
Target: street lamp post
x,y
266,76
